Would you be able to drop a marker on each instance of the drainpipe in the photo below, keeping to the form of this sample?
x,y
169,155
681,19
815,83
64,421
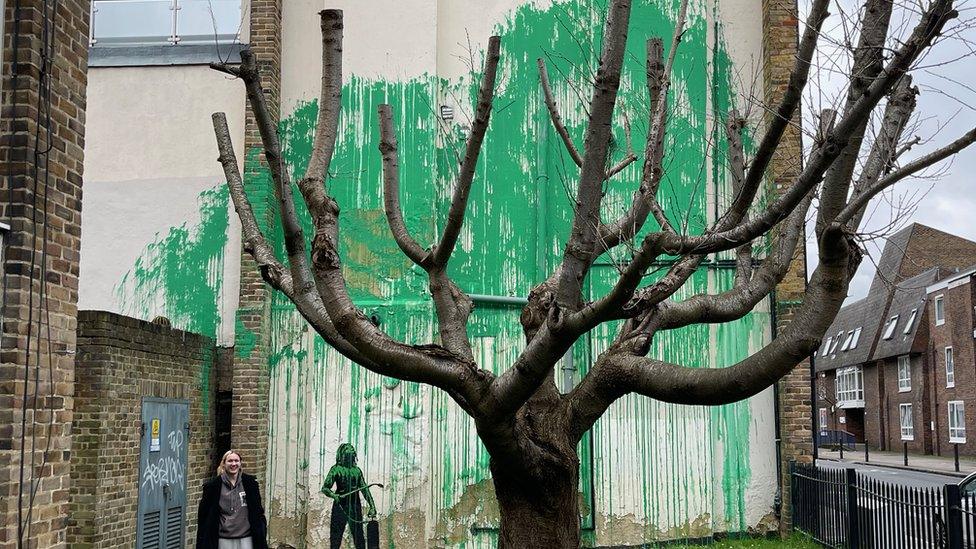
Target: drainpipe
x,y
502,300
777,427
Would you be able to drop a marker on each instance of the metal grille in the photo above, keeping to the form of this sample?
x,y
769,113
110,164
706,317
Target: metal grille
x,y
174,528
152,530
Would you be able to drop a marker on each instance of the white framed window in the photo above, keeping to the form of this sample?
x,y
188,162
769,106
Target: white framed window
x,y
889,329
907,423
826,346
823,420
957,421
939,310
850,387
950,365
904,374
857,337
148,22
837,338
911,321
847,341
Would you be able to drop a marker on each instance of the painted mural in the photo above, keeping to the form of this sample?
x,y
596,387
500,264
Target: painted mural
x,y
650,471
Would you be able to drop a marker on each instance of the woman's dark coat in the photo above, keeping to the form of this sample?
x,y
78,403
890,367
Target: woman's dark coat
x,y
208,515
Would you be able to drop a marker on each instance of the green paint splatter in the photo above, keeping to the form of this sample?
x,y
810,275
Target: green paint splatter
x,y
179,274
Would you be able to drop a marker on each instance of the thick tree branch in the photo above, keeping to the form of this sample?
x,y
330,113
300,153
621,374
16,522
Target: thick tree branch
x,y
622,369
930,25
867,66
271,269
785,112
557,119
898,111
581,248
391,189
459,202
327,127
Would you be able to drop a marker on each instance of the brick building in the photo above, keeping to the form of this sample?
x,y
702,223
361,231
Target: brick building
x,y
951,326
880,376
42,123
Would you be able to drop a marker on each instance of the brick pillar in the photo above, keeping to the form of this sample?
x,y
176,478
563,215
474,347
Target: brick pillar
x,y
250,384
35,173
780,42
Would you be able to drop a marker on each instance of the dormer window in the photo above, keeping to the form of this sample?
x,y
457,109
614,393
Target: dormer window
x,y
890,327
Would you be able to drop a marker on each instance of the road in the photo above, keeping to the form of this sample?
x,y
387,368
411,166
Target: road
x,y
897,476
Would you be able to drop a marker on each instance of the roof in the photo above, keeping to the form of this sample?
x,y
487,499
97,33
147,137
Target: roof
x,y
908,305
913,259
850,337
953,280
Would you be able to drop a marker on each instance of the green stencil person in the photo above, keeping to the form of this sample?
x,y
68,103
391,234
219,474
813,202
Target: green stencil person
x,y
346,507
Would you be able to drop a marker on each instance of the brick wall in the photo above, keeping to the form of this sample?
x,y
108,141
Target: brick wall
x,y
47,372
795,410
250,383
120,361
956,332
893,397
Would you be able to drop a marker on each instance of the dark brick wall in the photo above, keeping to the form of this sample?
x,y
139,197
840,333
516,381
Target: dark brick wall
x,y
46,433
957,332
120,361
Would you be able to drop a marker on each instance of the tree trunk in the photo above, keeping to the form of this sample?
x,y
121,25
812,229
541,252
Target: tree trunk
x,y
538,513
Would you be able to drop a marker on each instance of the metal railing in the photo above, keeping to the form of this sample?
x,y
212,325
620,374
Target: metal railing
x,y
164,22
841,509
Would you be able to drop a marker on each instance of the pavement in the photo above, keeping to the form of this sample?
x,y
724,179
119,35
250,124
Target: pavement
x,y
943,466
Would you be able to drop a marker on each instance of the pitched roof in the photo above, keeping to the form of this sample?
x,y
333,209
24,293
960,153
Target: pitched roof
x,y
908,304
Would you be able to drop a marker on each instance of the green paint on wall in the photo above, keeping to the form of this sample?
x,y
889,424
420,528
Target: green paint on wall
x,y
518,215
179,274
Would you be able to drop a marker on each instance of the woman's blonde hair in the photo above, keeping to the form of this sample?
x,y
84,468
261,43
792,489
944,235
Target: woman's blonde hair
x,y
223,460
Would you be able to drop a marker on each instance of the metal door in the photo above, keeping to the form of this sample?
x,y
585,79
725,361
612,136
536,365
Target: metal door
x,y
165,433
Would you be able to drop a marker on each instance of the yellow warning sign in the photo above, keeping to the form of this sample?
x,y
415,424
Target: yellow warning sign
x,y
154,436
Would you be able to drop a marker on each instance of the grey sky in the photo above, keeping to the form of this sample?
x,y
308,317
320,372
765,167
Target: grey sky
x,y
947,84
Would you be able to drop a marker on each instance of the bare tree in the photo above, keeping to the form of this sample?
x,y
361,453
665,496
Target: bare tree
x,y
531,430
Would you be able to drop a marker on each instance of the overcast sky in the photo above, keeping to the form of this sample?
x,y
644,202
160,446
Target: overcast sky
x,y
946,80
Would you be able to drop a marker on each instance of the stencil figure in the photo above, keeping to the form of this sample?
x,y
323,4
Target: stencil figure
x,y
348,480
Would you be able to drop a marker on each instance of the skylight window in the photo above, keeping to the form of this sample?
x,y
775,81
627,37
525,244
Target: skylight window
x,y
833,348
826,347
890,327
847,342
911,320
857,337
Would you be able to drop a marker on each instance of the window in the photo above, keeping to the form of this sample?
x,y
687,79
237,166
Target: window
x,y
837,338
857,337
907,425
950,368
957,421
911,320
826,347
847,342
890,327
823,420
939,310
162,22
904,374
850,387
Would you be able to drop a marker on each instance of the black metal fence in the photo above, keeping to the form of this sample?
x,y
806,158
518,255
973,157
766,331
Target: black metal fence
x,y
842,509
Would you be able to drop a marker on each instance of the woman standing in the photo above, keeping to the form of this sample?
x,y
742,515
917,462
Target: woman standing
x,y
231,515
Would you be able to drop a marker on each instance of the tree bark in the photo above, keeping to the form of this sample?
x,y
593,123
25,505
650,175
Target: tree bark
x,y
537,478
538,512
